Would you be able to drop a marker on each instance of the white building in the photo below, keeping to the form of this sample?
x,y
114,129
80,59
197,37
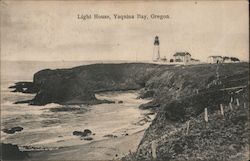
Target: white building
x,y
183,57
215,59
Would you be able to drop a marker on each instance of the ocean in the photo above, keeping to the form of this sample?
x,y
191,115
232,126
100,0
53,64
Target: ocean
x,y
51,126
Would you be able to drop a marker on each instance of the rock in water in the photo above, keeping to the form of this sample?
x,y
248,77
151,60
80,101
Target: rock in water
x,y
119,102
13,130
78,133
11,152
25,87
86,132
18,128
110,136
88,138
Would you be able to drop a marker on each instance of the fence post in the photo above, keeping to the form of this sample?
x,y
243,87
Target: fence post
x,y
153,148
221,110
205,117
230,105
188,127
238,102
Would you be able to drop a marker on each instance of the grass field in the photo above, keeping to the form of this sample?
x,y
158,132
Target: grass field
x,y
194,88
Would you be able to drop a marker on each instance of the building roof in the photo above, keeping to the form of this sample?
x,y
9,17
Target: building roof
x,y
181,54
215,56
194,59
230,58
226,58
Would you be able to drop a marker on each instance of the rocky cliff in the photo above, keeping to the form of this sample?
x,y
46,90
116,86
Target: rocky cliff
x,y
78,85
182,100
11,152
161,82
179,93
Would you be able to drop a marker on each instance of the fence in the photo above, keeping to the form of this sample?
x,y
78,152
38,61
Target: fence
x,y
186,128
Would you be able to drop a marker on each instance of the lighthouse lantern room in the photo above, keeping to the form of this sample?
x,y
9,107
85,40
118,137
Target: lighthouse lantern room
x,y
156,52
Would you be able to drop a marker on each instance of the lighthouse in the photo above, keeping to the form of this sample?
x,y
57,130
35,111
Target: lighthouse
x,y
156,52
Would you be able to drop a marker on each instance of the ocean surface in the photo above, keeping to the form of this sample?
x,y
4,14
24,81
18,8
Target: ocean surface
x,y
52,126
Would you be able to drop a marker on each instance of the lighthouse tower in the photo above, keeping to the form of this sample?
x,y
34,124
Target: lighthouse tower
x,y
156,52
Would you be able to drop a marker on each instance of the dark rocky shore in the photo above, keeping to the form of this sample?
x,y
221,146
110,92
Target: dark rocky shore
x,y
79,85
179,93
11,152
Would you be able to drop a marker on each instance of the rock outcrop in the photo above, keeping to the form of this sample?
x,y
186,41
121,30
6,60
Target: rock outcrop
x,y
179,93
84,133
78,85
163,83
182,101
13,130
25,87
11,152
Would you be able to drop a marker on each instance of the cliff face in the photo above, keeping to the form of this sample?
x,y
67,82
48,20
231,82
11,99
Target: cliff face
x,y
162,82
11,152
223,138
180,94
78,85
183,100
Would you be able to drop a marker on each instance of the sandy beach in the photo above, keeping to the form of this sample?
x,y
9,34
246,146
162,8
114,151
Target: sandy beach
x,y
47,133
107,149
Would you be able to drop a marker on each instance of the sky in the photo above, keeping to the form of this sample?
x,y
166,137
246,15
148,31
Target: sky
x,y
51,31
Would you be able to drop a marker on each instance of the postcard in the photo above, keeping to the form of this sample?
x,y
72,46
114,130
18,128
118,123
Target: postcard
x,y
124,80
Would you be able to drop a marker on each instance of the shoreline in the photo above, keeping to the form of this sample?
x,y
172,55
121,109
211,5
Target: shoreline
x,y
179,94
130,132
104,149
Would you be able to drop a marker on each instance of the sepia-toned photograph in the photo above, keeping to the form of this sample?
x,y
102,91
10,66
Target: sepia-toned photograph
x,y
144,80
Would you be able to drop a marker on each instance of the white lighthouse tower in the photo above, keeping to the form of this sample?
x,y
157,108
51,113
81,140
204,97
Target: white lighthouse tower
x,y
156,52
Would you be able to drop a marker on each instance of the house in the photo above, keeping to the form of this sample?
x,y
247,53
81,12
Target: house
x,y
230,59
215,59
183,57
227,59
233,59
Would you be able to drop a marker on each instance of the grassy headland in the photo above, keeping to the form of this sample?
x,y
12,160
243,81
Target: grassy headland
x,y
179,93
